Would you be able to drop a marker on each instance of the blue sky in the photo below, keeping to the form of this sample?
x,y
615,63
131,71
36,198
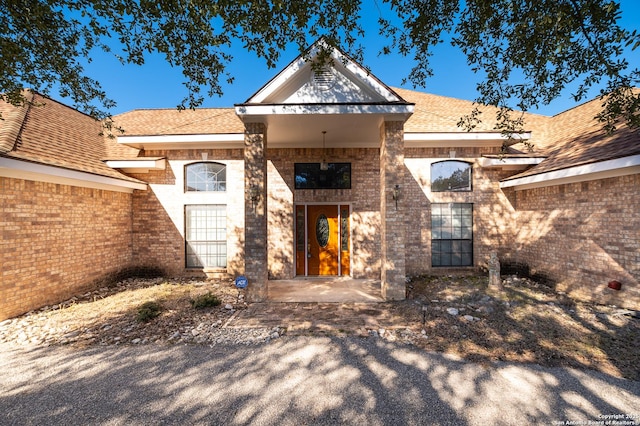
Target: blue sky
x,y
156,85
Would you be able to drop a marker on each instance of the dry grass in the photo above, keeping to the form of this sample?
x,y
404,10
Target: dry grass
x,y
527,322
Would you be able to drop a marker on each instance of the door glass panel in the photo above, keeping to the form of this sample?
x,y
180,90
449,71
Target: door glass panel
x,y
322,230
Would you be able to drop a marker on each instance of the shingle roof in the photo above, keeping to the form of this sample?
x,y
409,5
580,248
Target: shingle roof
x,y
154,122
576,137
54,134
434,113
58,135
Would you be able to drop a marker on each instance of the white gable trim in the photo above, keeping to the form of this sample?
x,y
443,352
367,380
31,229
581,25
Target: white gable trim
x,y
39,172
601,170
340,61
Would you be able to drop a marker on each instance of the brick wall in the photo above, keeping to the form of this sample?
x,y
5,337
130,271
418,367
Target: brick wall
x,y
493,212
58,240
364,197
158,220
582,236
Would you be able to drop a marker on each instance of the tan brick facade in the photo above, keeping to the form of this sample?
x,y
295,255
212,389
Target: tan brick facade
x,y
363,197
58,240
582,236
493,213
159,212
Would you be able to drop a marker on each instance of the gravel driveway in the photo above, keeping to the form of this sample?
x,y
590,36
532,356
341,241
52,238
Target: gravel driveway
x,y
297,380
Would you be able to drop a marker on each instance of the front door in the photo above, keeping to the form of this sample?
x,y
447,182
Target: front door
x,y
325,228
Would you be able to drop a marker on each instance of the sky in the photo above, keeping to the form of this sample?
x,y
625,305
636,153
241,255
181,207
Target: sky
x,y
156,85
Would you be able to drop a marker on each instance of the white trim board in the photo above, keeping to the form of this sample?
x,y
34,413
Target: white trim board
x,y
600,170
17,169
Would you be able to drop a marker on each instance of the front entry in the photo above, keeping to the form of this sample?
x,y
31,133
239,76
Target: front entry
x,y
322,240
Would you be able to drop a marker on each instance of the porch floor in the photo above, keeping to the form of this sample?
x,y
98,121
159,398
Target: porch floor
x,y
325,290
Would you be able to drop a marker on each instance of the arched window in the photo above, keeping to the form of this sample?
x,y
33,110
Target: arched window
x,y
450,175
206,177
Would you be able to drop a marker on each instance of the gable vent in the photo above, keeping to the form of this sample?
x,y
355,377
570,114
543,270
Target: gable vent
x,y
323,78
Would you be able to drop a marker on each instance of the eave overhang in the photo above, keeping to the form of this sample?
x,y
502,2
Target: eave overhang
x,y
26,170
509,162
600,170
138,165
261,112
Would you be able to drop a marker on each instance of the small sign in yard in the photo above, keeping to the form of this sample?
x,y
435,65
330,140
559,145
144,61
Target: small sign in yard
x,y
242,282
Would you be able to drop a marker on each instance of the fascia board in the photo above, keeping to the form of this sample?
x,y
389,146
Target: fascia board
x,y
143,165
293,109
506,162
39,172
600,170
278,81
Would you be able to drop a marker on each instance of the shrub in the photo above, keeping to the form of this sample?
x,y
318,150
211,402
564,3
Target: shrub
x,y
205,301
148,311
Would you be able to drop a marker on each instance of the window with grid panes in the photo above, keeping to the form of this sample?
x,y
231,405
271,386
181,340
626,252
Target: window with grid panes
x,y
210,177
451,234
206,236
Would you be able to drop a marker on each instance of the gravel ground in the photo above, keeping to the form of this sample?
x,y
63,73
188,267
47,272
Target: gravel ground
x,y
297,380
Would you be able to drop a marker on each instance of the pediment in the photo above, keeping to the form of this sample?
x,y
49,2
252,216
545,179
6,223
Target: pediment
x,y
340,80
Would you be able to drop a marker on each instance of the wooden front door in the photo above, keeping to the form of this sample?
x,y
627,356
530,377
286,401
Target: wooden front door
x,y
322,240
322,235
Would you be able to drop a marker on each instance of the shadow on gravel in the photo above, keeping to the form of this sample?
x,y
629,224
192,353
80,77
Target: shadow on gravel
x,y
301,380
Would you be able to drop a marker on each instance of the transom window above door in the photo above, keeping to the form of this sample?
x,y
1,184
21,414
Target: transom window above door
x,y
313,176
205,177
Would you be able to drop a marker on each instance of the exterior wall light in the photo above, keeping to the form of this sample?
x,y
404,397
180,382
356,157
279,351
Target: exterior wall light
x,y
254,196
396,194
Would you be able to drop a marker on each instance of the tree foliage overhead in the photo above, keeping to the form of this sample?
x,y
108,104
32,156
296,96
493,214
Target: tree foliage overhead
x,y
526,51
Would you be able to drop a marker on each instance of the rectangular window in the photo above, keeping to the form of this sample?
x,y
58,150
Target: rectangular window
x,y
311,176
452,234
206,236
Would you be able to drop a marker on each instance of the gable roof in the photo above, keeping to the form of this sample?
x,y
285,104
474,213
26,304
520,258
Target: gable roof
x,y
49,133
339,80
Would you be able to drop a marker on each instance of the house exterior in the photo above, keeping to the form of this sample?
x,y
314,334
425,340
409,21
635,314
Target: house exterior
x,y
323,171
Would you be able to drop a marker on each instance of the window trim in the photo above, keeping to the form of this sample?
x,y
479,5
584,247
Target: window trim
x,y
186,176
187,241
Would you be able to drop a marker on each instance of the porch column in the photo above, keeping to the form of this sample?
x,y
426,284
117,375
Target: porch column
x,y
255,211
393,229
